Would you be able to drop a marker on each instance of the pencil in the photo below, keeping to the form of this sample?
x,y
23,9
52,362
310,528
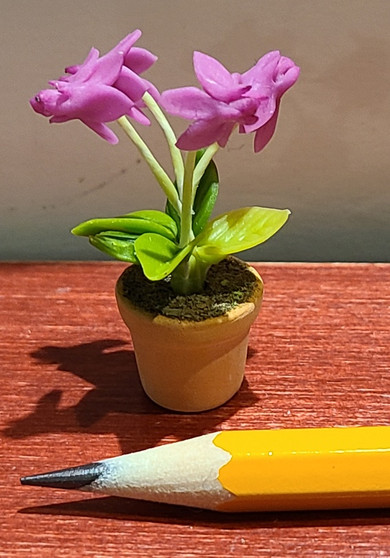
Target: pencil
x,y
248,470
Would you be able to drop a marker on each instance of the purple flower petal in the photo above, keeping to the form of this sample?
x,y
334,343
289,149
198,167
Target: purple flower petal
x,y
152,89
265,133
265,110
59,119
250,100
103,131
82,71
101,89
193,103
136,114
127,42
46,101
262,72
287,75
203,133
131,84
139,60
245,110
100,103
107,69
216,80
224,133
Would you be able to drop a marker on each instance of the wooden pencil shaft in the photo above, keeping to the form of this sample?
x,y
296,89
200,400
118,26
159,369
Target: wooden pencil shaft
x,y
255,470
306,468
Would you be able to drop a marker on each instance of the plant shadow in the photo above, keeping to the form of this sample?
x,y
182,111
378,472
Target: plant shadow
x,y
115,403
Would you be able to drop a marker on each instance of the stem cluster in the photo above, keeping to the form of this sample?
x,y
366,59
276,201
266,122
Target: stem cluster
x,y
181,192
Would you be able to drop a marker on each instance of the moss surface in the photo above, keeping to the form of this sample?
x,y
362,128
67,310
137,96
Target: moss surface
x,y
228,284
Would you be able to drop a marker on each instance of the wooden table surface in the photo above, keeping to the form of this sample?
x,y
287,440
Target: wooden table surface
x,y
319,356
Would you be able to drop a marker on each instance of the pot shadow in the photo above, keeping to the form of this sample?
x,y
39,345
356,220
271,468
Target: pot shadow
x,y
116,404
252,352
125,509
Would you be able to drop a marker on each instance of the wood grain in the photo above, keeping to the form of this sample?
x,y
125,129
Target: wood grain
x,y
319,356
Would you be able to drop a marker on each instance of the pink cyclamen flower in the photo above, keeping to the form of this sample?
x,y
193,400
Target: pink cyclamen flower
x,y
101,89
250,100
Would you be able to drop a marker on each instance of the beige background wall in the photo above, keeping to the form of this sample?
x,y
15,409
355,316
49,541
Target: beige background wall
x,y
329,161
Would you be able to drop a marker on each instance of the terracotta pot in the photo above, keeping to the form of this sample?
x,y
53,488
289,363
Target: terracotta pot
x,y
190,366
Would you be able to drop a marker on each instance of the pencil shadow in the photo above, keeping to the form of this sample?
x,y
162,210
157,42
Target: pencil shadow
x,y
116,402
124,509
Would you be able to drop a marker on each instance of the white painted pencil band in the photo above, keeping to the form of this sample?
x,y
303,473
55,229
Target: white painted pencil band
x,y
254,470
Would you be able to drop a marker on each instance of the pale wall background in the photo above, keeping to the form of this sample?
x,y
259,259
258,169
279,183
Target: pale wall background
x,y
329,161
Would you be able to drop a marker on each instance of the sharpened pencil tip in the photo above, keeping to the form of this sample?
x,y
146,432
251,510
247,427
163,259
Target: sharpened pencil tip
x,y
71,478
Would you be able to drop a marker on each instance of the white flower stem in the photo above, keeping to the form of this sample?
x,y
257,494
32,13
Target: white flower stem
x,y
186,234
202,166
163,179
176,156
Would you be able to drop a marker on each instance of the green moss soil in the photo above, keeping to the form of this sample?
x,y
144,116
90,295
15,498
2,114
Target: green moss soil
x,y
227,284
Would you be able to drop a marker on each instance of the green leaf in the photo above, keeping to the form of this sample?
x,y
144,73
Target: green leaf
x,y
116,244
156,216
205,198
158,255
173,214
136,223
238,230
199,155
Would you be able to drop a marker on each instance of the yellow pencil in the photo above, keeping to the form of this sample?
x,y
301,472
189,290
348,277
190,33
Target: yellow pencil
x,y
253,470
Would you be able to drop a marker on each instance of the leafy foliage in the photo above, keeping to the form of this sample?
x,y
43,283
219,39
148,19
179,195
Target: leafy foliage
x,y
205,198
158,255
151,238
135,223
238,230
117,244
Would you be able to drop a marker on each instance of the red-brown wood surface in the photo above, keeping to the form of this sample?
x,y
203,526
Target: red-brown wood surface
x,y
319,356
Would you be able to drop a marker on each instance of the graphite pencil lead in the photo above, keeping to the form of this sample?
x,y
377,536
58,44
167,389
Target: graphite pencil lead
x,y
71,478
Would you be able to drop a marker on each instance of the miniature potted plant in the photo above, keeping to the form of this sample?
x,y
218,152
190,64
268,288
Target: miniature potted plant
x,y
187,302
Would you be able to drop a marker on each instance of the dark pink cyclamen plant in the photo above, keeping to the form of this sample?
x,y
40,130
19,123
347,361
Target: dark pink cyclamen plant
x,y
181,242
